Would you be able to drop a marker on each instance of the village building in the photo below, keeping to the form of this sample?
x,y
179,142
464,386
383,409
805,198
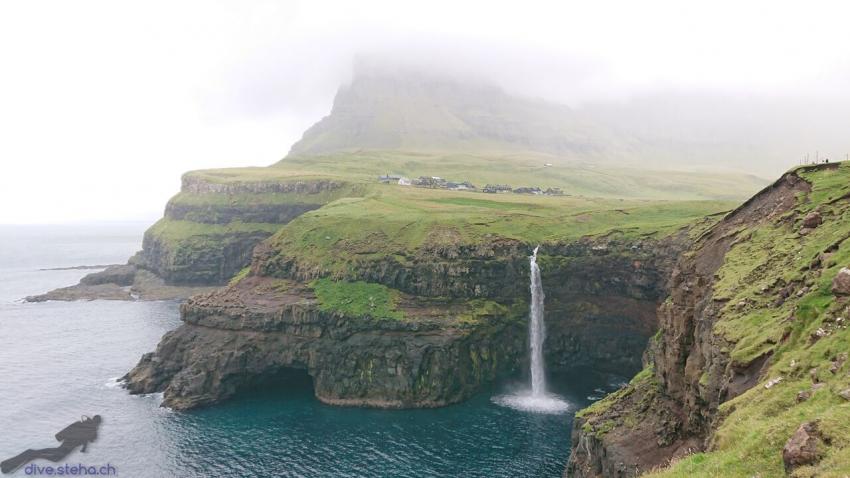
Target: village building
x,y
496,188
464,186
434,182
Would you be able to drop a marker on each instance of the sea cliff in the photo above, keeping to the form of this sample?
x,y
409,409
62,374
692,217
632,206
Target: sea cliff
x,y
432,331
747,374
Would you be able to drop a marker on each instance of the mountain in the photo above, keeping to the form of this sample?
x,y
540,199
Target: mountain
x,y
383,110
420,125
413,113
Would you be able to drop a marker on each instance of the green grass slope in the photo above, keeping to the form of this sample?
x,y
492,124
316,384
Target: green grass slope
x,y
526,169
807,335
397,221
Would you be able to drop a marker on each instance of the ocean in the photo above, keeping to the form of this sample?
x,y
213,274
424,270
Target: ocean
x,y
60,361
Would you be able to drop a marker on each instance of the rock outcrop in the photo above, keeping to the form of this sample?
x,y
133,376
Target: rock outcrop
x,y
121,282
201,259
120,275
201,183
802,448
841,283
812,220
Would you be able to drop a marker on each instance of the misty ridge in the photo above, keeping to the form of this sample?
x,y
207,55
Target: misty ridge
x,y
722,87
401,106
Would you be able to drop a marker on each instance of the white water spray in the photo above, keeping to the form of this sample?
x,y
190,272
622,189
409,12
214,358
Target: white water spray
x,y
536,399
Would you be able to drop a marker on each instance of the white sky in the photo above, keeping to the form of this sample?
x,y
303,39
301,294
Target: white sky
x,y
103,104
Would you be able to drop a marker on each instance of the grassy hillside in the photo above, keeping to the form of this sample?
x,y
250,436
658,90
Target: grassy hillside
x,y
528,169
396,221
177,231
575,178
807,335
362,214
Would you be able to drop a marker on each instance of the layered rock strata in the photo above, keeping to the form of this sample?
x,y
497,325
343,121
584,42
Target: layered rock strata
x,y
600,297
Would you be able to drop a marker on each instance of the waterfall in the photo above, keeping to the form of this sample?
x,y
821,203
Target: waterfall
x,y
536,400
536,329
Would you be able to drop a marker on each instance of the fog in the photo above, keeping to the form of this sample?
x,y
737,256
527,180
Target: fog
x,y
104,104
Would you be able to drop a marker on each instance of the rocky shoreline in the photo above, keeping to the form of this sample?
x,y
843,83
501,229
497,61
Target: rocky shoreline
x,y
120,282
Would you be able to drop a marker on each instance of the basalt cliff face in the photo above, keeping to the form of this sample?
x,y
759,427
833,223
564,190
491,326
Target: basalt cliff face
x,y
464,323
210,229
252,332
752,320
601,297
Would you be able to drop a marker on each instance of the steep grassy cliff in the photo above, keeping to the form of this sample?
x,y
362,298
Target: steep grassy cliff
x,y
747,375
212,225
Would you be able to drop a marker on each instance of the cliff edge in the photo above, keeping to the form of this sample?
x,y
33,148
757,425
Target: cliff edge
x,y
747,375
